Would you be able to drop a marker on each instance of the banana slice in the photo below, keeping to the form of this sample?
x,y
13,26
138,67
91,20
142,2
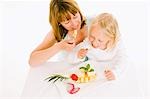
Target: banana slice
x,y
74,34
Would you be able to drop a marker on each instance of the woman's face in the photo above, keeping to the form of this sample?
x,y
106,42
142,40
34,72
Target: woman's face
x,y
74,23
98,38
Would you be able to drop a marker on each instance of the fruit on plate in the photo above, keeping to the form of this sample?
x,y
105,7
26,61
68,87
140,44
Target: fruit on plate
x,y
86,69
88,74
71,88
85,79
74,77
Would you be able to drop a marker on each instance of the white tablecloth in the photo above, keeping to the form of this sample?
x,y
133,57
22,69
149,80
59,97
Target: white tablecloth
x,y
126,86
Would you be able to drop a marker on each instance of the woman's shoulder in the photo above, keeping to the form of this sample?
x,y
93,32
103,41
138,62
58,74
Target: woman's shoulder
x,y
51,35
49,38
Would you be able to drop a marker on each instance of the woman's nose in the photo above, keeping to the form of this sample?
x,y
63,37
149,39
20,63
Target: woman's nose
x,y
73,23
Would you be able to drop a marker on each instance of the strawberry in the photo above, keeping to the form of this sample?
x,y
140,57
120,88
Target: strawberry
x,y
74,77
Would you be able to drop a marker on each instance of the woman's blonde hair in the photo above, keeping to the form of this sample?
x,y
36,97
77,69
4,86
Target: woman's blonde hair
x,y
107,22
59,11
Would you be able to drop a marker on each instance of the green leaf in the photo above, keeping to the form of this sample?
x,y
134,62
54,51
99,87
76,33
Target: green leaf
x,y
47,78
61,79
86,70
91,70
52,78
88,66
82,68
56,79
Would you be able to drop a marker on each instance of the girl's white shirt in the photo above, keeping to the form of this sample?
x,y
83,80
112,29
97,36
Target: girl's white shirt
x,y
116,57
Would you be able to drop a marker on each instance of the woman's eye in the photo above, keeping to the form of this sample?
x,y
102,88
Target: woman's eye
x,y
66,22
74,17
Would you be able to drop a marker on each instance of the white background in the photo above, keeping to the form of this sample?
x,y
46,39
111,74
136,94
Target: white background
x,y
24,24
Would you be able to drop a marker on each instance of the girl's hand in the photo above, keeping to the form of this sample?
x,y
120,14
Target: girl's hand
x,y
82,53
109,75
67,45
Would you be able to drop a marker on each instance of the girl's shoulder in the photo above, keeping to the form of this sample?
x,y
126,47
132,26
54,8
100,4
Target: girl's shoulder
x,y
120,43
118,46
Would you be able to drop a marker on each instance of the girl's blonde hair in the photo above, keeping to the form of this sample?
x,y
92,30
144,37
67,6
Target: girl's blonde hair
x,y
59,11
107,22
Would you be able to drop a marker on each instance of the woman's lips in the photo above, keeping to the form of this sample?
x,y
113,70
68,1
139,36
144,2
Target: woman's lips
x,y
76,27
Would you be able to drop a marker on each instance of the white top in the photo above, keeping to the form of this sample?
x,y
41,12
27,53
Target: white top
x,y
116,56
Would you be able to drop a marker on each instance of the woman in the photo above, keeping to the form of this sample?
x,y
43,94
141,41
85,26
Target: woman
x,y
65,17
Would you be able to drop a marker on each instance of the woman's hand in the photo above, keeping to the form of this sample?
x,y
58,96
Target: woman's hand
x,y
67,45
82,53
109,75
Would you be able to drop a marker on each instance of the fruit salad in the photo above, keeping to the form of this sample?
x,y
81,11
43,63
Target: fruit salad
x,y
85,75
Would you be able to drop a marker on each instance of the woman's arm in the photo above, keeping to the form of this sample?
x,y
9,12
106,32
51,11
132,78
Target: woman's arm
x,y
48,48
45,50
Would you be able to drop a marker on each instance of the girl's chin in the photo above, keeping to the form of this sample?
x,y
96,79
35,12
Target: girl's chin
x,y
102,48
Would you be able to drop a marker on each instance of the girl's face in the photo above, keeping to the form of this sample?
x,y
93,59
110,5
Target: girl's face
x,y
74,23
98,38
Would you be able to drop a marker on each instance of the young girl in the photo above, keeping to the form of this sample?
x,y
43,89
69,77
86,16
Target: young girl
x,y
103,44
65,17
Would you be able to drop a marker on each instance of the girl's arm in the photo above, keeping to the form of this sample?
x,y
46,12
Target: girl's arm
x,y
72,57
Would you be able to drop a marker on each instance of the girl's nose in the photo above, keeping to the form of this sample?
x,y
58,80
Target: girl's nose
x,y
94,44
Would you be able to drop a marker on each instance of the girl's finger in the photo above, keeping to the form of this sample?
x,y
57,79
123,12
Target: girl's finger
x,y
108,75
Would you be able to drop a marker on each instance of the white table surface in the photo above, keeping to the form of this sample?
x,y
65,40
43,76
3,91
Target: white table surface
x,y
35,86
